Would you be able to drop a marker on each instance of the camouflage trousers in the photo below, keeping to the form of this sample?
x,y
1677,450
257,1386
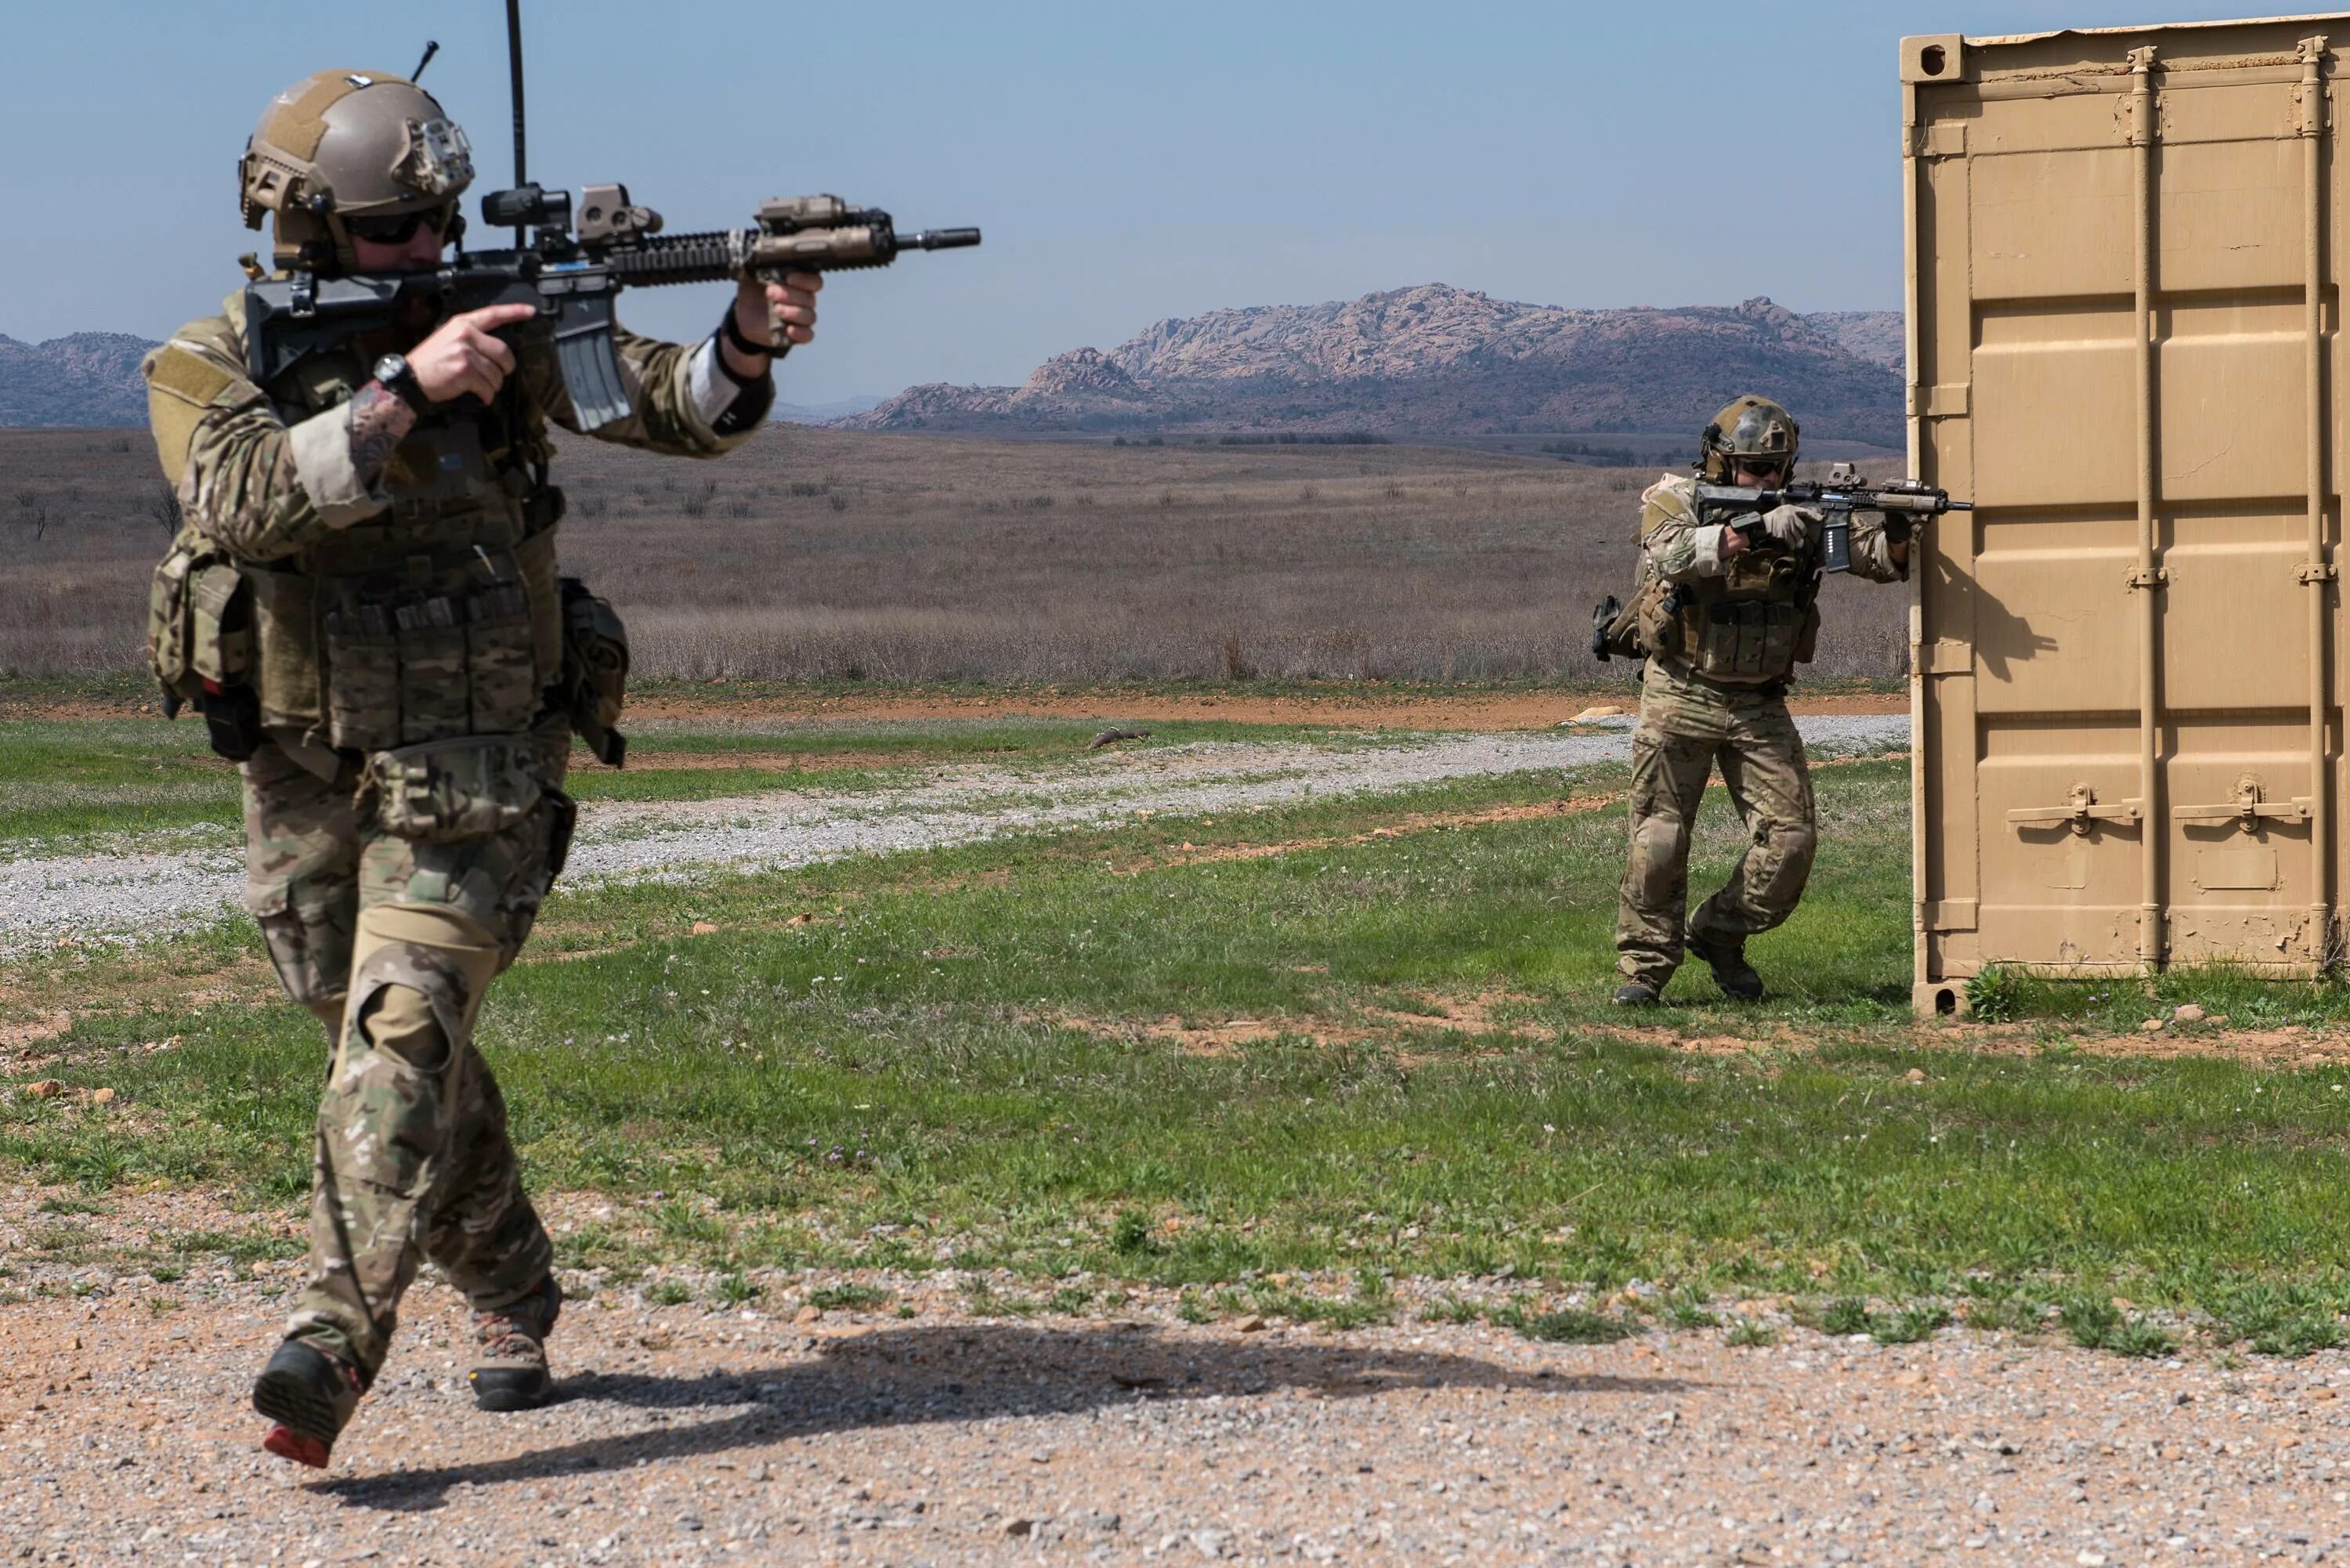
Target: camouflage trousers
x,y
1687,728
393,942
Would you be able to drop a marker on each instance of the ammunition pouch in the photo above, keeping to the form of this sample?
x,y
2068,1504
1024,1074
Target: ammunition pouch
x,y
1657,618
1748,639
442,649
199,624
233,716
464,788
200,645
594,679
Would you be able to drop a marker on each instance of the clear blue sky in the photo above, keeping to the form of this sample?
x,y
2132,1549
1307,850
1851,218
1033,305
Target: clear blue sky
x,y
1128,162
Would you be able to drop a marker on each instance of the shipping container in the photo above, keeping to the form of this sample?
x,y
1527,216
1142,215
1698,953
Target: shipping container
x,y
2124,307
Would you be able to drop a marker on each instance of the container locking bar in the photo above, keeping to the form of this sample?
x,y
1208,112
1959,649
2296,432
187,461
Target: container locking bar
x,y
2248,809
2081,812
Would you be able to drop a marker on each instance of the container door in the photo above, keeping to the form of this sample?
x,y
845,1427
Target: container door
x,y
2122,351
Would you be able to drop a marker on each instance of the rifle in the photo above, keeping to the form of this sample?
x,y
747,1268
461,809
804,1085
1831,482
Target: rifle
x,y
571,280
1843,494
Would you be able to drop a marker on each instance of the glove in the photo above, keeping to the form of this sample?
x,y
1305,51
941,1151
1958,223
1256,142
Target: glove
x,y
1789,526
1897,527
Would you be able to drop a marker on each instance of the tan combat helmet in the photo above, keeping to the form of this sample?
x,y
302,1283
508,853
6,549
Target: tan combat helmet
x,y
1750,427
346,144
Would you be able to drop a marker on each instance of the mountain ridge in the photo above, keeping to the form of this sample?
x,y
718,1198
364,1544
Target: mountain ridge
x,y
81,378
1434,360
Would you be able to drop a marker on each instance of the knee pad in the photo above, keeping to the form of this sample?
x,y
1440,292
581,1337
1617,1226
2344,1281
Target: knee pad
x,y
417,978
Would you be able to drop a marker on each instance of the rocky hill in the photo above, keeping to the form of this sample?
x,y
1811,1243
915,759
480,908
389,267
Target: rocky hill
x,y
87,379
1439,360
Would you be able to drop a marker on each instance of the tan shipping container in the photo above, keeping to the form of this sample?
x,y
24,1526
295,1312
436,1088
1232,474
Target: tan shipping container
x,y
2125,256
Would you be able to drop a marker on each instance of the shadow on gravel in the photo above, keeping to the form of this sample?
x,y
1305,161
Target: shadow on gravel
x,y
906,1377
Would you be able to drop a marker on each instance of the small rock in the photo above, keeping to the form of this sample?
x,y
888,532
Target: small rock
x,y
44,1089
1249,1324
807,1314
1588,714
704,928
1211,1543
1916,1075
1108,1524
2151,1026
2188,1012
101,1097
1019,1527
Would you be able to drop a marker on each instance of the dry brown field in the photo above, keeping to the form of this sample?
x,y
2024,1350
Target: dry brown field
x,y
816,555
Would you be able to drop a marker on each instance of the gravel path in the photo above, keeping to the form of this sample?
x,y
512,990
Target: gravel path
x,y
146,893
687,1435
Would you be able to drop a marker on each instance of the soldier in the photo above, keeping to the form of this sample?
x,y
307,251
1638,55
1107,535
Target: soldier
x,y
1725,623
370,551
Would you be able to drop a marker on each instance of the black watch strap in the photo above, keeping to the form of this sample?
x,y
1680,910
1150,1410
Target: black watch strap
x,y
403,385
733,334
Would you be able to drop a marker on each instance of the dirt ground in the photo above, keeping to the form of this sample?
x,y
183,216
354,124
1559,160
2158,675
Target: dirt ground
x,y
1340,709
779,1435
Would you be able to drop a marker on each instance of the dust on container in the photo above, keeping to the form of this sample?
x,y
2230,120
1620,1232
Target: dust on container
x,y
2124,261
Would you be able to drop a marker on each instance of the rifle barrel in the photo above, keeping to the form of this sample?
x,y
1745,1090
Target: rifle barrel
x,y
937,239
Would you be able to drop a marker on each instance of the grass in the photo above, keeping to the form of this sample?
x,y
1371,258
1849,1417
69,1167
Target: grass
x,y
1021,1055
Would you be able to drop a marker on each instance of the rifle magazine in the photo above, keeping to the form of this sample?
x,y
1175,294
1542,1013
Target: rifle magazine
x,y
591,371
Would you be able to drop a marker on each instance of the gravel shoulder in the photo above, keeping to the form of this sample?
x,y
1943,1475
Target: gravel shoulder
x,y
144,892
683,1434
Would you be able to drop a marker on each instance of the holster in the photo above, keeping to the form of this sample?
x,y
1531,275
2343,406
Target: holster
x,y
594,679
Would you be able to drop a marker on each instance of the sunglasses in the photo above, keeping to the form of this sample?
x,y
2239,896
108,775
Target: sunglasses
x,y
400,228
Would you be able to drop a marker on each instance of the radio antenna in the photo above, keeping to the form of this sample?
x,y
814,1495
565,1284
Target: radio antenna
x,y
431,47
514,69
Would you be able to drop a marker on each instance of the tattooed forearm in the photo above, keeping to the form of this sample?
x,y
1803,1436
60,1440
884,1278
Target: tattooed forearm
x,y
380,422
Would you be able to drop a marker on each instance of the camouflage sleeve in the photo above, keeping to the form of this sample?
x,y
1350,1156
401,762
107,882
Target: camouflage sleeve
x,y
1872,553
668,417
255,486
1674,545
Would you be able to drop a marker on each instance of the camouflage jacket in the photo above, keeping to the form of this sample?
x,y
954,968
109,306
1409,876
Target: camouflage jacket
x,y
409,600
266,473
1745,619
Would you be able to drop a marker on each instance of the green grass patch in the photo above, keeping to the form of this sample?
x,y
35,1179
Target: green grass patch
x,y
848,1298
976,1056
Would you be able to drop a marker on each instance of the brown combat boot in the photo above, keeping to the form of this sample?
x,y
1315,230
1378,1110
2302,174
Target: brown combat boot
x,y
509,1371
310,1396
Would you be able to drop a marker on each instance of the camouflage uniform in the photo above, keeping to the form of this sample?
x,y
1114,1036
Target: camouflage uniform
x,y
403,628
1715,692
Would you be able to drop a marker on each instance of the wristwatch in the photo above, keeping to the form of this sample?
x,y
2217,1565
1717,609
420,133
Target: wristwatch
x,y
395,375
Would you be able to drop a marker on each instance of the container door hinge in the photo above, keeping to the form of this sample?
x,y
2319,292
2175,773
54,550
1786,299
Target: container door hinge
x,y
2316,572
2149,576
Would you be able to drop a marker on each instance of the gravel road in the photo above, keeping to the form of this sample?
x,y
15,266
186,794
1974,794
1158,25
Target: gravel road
x,y
683,1434
141,891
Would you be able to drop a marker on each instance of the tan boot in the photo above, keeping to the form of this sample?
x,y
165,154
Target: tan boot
x,y
509,1371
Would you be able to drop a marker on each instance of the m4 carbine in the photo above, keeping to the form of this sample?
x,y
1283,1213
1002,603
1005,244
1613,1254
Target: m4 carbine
x,y
1843,494
570,279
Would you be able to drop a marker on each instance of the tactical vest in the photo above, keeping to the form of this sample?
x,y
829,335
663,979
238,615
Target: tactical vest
x,y
440,617
1752,625
1749,627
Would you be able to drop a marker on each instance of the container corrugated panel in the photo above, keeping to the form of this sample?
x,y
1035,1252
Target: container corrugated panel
x,y
2125,256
